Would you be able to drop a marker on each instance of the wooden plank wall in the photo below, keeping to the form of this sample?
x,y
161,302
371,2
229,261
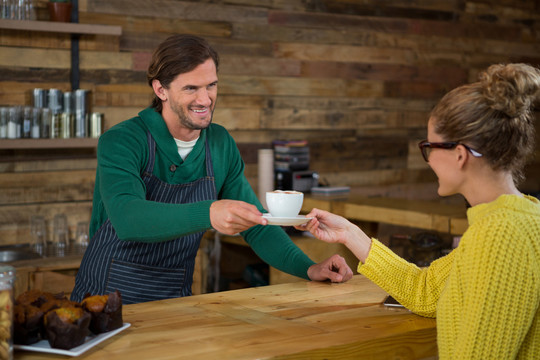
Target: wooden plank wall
x,y
355,78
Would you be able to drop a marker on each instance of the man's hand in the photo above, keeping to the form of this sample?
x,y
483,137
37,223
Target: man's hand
x,y
334,269
231,216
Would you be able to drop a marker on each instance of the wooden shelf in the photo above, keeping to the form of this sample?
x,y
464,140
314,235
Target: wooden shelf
x,y
77,143
60,27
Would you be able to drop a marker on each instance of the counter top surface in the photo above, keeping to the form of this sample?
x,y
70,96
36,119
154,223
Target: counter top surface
x,y
304,320
46,263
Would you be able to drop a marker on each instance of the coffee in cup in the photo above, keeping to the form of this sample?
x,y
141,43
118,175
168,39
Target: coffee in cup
x,y
284,203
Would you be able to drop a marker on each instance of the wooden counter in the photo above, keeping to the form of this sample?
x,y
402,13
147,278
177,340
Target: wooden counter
x,y
305,320
428,215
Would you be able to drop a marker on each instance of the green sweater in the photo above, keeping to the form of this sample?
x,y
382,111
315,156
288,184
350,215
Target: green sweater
x,y
119,193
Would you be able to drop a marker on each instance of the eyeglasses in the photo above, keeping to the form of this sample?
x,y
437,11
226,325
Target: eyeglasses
x,y
425,147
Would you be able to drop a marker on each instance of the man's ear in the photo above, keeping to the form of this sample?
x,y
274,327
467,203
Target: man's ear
x,y
159,90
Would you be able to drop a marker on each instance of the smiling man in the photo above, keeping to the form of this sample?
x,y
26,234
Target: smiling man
x,y
166,176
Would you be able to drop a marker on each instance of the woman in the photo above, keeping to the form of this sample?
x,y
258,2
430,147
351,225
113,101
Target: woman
x,y
486,293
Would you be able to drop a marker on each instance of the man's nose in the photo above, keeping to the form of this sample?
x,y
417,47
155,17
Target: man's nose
x,y
203,97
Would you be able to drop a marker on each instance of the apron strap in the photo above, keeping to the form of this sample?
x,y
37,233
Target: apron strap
x,y
151,154
209,167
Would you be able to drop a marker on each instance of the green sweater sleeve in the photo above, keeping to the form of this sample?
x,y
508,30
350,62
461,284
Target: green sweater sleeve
x,y
122,153
275,248
269,242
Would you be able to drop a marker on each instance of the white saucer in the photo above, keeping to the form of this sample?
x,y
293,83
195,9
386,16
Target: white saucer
x,y
287,221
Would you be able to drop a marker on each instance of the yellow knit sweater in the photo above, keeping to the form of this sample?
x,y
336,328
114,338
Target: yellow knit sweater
x,y
486,293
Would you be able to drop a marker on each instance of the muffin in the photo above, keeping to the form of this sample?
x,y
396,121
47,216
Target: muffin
x,y
27,324
106,311
57,303
36,298
29,310
67,327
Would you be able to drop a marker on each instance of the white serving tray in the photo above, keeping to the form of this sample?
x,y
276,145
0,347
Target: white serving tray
x,y
90,342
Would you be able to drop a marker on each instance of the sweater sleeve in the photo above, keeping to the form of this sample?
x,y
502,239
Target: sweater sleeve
x,y
270,243
499,292
121,156
418,289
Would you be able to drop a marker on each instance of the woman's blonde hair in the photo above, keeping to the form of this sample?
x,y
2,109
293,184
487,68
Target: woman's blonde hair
x,y
494,115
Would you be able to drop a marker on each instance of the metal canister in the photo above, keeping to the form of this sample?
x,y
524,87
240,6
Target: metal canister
x,y
66,125
81,122
56,101
46,120
39,97
68,102
56,126
7,278
67,117
96,124
81,110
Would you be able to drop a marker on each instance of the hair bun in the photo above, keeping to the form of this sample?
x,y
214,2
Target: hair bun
x,y
512,89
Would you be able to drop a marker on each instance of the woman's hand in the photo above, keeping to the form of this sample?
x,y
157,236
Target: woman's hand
x,y
327,227
333,228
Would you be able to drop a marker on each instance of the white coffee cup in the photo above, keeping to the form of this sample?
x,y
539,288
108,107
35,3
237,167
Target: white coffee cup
x,y
284,203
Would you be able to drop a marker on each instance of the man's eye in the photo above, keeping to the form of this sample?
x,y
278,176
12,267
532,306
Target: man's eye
x,y
212,85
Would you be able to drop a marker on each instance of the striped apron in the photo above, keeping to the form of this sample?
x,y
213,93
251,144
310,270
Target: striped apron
x,y
146,271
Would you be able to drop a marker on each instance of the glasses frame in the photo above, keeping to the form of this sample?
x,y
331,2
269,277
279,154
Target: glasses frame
x,y
447,145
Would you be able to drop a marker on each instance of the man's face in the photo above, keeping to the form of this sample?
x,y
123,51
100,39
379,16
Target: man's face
x,y
191,97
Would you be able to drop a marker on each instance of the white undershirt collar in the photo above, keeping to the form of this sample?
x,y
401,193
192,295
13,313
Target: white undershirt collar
x,y
185,147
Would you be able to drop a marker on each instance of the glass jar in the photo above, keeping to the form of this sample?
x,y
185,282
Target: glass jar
x,y
3,122
27,114
14,122
36,123
7,278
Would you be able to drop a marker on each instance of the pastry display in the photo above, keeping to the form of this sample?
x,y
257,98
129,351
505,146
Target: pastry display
x,y
63,323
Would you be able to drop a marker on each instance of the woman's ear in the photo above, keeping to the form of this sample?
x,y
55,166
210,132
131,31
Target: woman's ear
x,y
462,155
159,90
